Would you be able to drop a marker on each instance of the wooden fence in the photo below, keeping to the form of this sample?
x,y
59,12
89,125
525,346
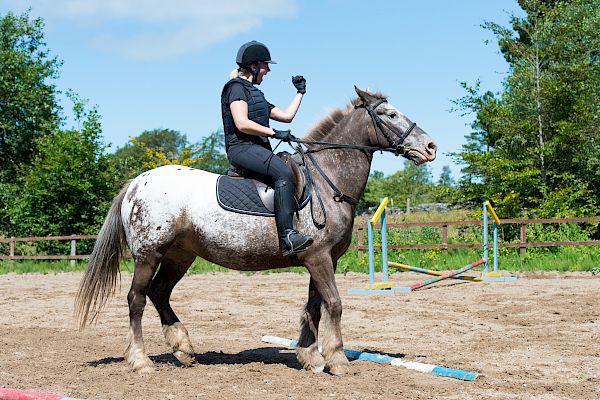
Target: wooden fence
x,y
359,230
444,245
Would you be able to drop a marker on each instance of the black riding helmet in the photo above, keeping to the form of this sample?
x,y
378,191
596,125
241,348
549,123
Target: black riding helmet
x,y
253,52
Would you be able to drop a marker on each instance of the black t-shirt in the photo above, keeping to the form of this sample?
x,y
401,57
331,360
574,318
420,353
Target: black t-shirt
x,y
233,136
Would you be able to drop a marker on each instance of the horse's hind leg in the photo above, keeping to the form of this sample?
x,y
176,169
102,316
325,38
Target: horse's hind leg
x,y
321,269
145,267
172,268
307,351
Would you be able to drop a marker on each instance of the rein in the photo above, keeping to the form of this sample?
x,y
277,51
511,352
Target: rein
x,y
396,147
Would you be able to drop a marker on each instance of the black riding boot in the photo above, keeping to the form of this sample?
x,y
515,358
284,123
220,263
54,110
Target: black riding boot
x,y
291,242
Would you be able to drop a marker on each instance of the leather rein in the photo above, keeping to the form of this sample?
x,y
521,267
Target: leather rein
x,y
396,147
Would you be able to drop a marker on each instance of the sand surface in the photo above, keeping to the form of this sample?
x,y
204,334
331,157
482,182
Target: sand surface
x,y
537,338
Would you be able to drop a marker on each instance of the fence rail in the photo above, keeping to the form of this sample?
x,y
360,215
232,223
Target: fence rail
x,y
444,245
359,229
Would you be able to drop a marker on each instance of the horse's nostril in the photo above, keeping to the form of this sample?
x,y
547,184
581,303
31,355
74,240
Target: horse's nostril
x,y
432,147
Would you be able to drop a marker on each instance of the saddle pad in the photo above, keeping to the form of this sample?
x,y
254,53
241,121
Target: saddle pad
x,y
240,195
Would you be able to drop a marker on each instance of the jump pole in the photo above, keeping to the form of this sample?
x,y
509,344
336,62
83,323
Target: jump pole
x,y
384,359
447,275
495,275
14,394
384,287
404,267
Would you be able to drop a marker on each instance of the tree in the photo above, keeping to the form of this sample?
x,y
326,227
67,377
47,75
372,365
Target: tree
x,y
535,145
159,147
149,150
28,105
411,182
446,178
211,153
69,185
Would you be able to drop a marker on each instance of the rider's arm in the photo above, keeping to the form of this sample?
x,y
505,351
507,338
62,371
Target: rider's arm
x,y
289,113
239,112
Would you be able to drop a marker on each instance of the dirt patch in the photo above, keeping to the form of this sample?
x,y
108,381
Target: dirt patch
x,y
537,338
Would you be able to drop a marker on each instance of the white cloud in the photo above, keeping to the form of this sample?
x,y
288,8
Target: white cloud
x,y
158,28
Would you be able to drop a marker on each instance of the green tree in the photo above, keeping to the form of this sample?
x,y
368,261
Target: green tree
x,y
446,178
69,185
159,147
133,158
28,105
535,145
411,182
211,153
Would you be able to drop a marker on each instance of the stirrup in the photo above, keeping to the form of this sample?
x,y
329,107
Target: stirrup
x,y
289,247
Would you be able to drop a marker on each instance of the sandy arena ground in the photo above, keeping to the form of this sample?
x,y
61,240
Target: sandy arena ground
x,y
538,338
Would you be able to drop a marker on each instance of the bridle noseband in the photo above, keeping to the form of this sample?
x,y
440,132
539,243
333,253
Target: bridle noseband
x,y
397,145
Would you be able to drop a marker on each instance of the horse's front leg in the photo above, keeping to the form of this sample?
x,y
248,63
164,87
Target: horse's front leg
x,y
322,273
307,351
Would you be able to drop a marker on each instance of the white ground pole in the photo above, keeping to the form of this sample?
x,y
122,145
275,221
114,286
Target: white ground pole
x,y
383,359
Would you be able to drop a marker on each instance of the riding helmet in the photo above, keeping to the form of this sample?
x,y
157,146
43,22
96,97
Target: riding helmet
x,y
253,52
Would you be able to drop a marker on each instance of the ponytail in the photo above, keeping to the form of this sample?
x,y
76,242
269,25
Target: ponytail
x,y
234,74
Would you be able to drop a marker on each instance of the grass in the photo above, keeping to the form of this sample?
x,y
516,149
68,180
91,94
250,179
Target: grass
x,y
562,259
583,258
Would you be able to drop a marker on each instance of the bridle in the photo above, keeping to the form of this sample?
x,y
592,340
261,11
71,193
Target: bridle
x,y
397,145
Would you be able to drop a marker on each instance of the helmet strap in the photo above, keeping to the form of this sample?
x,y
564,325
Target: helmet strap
x,y
255,73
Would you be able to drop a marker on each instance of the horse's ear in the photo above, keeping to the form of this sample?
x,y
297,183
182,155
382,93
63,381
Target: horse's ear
x,y
364,96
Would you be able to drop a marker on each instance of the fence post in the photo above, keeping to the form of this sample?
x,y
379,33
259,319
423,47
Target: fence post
x,y
11,246
360,231
523,240
73,250
445,237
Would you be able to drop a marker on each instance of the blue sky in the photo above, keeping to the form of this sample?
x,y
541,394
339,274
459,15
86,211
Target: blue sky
x,y
161,64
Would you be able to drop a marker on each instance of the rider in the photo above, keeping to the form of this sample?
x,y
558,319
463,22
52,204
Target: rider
x,y
246,115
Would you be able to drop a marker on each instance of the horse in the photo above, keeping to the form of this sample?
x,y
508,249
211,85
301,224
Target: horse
x,y
168,216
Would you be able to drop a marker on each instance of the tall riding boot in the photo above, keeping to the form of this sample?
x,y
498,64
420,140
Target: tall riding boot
x,y
291,242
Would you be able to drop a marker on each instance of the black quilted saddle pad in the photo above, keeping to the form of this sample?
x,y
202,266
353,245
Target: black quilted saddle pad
x,y
240,195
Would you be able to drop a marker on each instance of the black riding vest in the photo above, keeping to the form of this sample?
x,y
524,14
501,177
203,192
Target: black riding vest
x,y
258,111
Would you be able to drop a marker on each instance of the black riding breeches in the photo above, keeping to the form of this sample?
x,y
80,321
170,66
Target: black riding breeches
x,y
259,163
256,162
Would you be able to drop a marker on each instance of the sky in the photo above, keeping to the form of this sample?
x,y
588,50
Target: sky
x,y
150,64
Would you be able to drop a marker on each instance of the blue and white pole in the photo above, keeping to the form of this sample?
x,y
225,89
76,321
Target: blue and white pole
x,y
383,359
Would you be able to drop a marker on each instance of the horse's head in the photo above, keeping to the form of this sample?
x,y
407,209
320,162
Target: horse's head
x,y
392,129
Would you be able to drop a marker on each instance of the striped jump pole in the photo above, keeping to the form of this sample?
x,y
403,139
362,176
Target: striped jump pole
x,y
404,267
384,359
447,275
14,394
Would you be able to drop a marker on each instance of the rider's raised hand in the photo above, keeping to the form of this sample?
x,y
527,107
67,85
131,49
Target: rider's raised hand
x,y
299,83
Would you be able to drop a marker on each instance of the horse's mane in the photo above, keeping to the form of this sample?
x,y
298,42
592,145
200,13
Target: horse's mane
x,y
326,125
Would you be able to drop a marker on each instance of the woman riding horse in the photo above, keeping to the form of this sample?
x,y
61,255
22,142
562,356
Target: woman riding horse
x,y
246,115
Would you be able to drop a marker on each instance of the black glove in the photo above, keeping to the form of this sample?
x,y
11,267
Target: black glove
x,y
286,135
300,83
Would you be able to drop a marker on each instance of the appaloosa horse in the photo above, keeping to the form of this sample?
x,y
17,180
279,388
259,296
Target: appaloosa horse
x,y
169,216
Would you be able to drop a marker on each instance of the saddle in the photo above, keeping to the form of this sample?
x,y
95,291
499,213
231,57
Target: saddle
x,y
243,195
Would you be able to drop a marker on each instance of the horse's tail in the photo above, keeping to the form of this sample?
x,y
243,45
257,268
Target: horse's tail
x,y
100,278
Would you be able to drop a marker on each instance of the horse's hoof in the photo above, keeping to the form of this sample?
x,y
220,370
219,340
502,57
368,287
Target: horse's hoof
x,y
184,358
144,366
339,370
311,359
145,370
338,364
318,368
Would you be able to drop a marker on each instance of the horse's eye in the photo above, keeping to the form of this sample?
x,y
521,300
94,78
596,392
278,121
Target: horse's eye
x,y
393,115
